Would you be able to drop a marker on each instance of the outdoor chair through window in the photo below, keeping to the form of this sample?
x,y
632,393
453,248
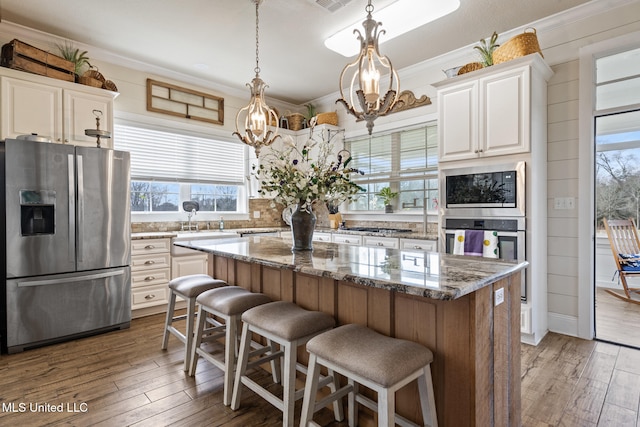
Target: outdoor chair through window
x,y
625,245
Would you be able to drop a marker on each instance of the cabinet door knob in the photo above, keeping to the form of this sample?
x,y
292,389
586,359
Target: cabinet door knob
x,y
150,262
149,297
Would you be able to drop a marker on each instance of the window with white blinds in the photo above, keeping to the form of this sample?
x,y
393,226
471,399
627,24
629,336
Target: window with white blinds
x,y
171,157
404,160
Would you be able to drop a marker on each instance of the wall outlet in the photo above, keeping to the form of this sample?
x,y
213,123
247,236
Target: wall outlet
x,y
256,214
564,203
499,297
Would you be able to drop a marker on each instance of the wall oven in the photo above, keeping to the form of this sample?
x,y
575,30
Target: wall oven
x,y
484,191
511,237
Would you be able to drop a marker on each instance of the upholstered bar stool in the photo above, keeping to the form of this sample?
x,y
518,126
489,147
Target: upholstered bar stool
x,y
226,303
365,357
187,287
290,326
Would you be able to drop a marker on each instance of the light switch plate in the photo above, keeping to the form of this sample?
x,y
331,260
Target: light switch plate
x,y
499,297
256,214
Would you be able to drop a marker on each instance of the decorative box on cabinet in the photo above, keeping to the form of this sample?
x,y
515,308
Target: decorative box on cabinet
x,y
54,108
489,112
150,273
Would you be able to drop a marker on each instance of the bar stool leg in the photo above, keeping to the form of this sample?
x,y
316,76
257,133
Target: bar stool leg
x,y
338,409
245,343
229,358
386,408
169,321
353,405
427,399
191,309
289,383
310,391
200,325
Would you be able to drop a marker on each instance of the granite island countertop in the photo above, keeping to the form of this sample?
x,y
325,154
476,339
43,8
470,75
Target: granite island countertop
x,y
427,274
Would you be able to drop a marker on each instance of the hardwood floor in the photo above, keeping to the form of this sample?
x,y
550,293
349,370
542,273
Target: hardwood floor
x,y
617,320
122,378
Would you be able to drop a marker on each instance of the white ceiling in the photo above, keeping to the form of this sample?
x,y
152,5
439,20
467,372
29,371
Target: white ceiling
x,y
179,34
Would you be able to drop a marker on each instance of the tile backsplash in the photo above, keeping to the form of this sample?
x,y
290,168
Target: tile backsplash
x,y
272,217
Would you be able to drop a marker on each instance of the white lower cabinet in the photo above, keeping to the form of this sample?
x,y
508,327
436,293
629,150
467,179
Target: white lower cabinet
x,y
381,242
420,245
321,237
191,264
150,273
346,239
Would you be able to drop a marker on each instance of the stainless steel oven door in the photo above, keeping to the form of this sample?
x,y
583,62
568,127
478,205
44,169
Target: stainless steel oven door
x,y
511,247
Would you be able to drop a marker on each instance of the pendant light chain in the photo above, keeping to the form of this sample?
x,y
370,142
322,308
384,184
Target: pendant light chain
x,y
257,69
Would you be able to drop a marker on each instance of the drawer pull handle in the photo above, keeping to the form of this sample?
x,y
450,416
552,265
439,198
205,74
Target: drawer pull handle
x,y
149,278
150,262
149,247
150,297
380,244
417,247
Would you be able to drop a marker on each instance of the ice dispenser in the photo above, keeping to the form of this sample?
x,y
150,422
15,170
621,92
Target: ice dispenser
x,y
37,212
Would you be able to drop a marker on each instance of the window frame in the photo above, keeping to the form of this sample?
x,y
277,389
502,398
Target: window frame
x,y
242,212
395,177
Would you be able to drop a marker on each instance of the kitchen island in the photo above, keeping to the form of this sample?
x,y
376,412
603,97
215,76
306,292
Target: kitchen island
x,y
465,309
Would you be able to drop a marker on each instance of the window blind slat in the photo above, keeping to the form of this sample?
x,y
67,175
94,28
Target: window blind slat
x,y
165,156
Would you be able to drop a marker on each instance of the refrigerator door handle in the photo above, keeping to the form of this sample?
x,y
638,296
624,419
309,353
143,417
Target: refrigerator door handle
x,y
80,230
72,206
61,281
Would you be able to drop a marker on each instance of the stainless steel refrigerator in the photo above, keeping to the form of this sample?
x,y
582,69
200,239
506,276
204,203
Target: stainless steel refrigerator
x,y
67,242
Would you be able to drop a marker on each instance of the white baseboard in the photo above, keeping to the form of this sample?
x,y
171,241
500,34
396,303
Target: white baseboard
x,y
563,324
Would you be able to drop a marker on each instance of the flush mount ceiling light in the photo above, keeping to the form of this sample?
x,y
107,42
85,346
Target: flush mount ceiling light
x,y
258,122
398,18
363,77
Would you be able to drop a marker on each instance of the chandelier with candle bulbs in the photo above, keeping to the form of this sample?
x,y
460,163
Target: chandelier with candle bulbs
x,y
257,124
373,83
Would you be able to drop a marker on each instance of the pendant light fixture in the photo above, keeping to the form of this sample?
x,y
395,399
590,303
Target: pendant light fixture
x,y
257,124
373,83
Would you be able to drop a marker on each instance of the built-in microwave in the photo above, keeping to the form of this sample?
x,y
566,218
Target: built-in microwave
x,y
484,191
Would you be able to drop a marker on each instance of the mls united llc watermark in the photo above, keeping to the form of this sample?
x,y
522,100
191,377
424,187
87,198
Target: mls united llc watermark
x,y
77,407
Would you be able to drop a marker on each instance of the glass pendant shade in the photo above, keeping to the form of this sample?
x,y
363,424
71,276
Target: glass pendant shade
x,y
372,82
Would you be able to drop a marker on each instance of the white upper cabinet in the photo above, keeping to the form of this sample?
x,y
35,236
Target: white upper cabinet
x,y
489,112
49,107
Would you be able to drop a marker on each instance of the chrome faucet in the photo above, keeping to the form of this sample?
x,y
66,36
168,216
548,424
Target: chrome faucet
x,y
190,227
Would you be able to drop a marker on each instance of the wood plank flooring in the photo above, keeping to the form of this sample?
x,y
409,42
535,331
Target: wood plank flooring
x,y
617,320
122,378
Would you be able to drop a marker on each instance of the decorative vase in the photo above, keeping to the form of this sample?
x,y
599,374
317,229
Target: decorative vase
x,y
302,225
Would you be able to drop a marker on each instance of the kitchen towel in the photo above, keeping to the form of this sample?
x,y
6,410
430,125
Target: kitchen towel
x,y
476,243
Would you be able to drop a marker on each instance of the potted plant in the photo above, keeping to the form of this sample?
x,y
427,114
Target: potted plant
x,y
387,196
486,49
79,59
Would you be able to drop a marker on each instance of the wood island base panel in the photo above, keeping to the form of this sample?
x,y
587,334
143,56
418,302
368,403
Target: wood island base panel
x,y
451,304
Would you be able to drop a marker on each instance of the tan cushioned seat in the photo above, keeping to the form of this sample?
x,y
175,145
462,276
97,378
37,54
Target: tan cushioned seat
x,y
231,300
287,320
194,284
381,359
